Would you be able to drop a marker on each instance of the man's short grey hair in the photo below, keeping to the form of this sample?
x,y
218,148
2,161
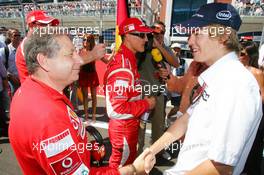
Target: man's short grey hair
x,y
45,44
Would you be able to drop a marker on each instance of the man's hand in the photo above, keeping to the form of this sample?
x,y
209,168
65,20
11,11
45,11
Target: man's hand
x,y
151,101
163,73
172,83
97,53
144,162
157,43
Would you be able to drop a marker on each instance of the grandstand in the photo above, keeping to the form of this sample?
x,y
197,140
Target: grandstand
x,y
75,13
249,7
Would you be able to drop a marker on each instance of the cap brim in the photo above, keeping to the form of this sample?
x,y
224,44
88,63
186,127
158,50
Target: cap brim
x,y
49,20
191,24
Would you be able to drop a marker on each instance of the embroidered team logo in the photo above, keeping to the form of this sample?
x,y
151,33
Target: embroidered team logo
x,y
129,27
76,122
224,15
198,92
69,164
57,144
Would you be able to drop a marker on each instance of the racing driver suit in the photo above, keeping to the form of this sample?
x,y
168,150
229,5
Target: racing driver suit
x,y
47,137
124,106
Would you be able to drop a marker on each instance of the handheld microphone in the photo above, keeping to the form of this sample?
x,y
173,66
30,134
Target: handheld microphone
x,y
157,57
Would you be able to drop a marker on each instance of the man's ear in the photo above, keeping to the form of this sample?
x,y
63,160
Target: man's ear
x,y
43,62
224,38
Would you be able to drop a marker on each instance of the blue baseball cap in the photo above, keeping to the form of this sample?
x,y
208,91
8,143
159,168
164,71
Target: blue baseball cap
x,y
214,13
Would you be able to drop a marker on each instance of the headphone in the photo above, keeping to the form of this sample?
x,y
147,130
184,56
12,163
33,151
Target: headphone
x,y
98,148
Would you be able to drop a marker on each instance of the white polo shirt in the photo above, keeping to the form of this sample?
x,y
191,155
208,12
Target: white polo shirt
x,y
224,120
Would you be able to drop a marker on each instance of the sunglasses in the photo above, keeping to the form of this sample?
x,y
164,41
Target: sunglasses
x,y
140,35
159,30
243,54
162,32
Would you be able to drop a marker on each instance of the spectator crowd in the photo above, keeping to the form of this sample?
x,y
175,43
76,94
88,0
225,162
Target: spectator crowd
x,y
250,7
75,8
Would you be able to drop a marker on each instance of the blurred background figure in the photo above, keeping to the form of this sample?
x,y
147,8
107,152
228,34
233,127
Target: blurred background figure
x,y
8,57
3,86
179,72
249,57
155,56
3,31
88,77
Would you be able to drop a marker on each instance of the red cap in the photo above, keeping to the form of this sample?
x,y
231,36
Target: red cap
x,y
41,17
133,24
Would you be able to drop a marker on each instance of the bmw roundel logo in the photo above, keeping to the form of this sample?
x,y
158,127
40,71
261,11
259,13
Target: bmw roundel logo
x,y
224,15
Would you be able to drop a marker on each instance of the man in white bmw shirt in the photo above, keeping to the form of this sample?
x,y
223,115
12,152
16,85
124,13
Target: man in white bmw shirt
x,y
222,120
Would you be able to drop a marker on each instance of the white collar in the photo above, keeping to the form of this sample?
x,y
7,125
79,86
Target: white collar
x,y
211,73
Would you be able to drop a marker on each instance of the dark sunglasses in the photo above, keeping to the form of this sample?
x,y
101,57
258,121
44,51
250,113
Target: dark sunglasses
x,y
162,32
243,54
140,35
159,30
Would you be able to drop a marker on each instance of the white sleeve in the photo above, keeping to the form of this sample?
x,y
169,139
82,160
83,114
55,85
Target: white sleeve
x,y
261,56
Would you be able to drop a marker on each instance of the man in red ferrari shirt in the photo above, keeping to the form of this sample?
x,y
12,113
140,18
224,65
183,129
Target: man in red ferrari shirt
x,y
46,135
123,100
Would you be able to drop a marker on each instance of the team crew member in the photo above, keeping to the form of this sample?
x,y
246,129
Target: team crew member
x,y
54,141
124,103
35,19
38,19
226,109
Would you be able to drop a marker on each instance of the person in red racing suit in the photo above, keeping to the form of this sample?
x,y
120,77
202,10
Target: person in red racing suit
x,y
123,95
47,137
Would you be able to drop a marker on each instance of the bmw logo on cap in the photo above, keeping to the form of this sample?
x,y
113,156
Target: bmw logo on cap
x,y
224,15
